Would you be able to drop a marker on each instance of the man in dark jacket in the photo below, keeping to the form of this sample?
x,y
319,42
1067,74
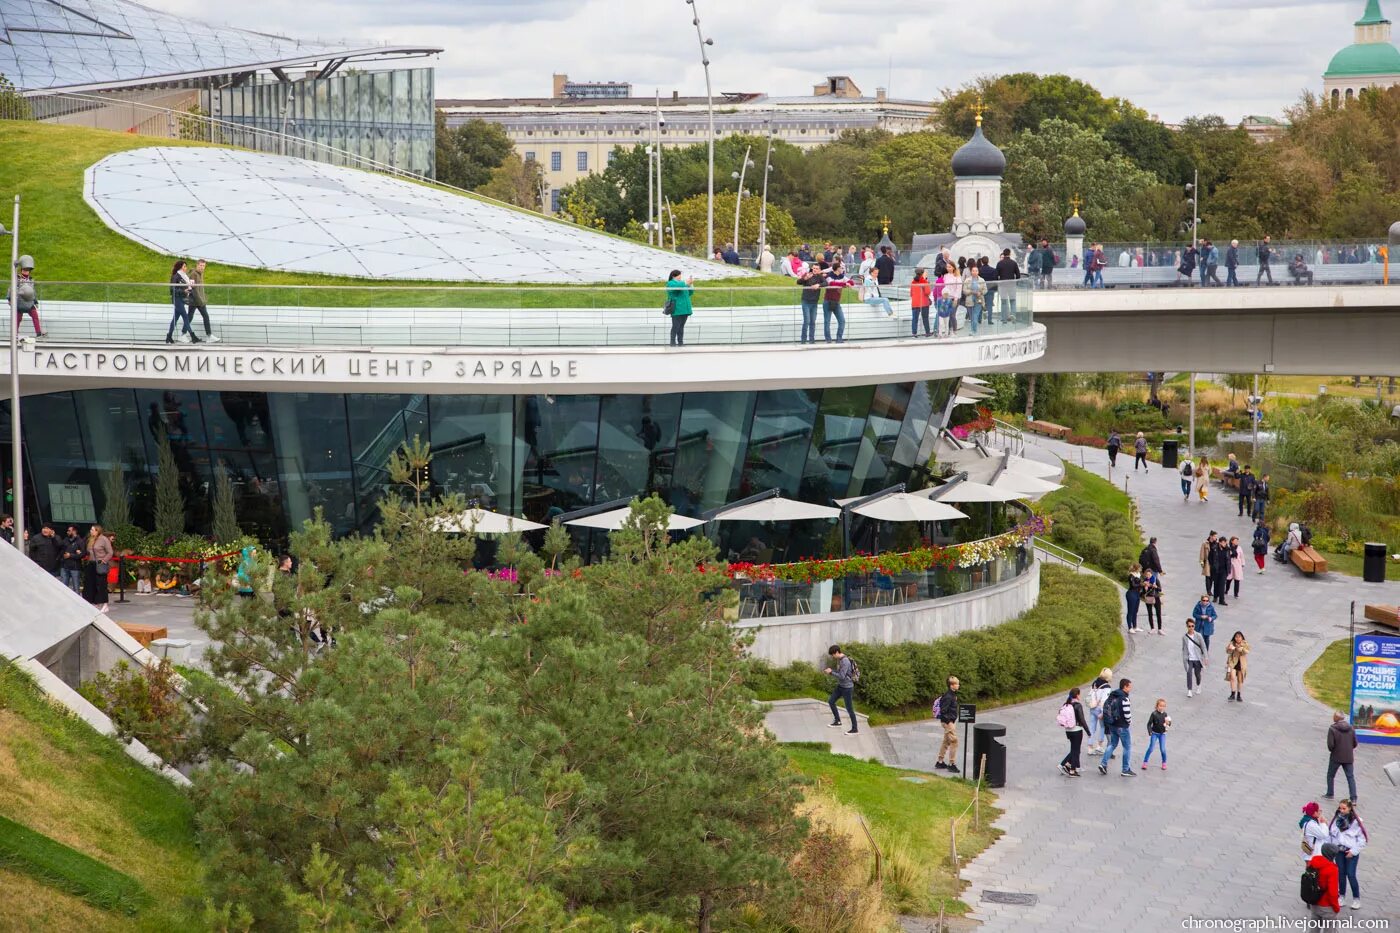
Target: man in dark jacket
x,y
1007,271
1117,724
884,266
1232,261
1149,559
1261,495
1246,491
7,529
46,550
1341,753
1047,264
71,566
948,720
1266,255
1220,569
844,689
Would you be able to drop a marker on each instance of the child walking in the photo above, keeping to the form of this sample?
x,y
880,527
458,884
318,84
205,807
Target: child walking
x,y
1157,725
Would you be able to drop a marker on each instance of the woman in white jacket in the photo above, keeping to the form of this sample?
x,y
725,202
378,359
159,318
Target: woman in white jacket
x,y
1348,834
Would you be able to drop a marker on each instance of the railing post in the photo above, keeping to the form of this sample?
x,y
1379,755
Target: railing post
x,y
953,843
121,578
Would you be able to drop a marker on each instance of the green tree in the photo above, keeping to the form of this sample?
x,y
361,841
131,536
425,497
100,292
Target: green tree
x,y
516,181
908,178
225,514
1046,168
1151,146
1278,192
1023,101
116,509
1359,205
691,215
170,500
13,104
1214,148
466,154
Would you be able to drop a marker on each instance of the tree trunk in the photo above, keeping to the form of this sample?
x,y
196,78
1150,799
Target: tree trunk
x,y
1030,396
707,907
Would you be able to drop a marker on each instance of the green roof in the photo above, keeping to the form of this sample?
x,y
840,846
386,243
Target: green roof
x,y
1371,58
1373,15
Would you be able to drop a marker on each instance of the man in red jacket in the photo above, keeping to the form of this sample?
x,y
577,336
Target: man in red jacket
x,y
1327,878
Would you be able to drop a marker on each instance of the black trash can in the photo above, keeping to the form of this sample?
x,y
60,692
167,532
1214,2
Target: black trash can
x,y
1373,569
984,742
1169,454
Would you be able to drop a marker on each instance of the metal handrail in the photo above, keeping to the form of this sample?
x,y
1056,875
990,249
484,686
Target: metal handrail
x,y
1054,552
1012,433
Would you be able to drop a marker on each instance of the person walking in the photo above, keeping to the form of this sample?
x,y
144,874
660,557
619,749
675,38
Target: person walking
x,y
844,689
179,297
678,305
1098,262
1203,478
1193,657
1047,265
1260,543
1203,557
1236,571
920,297
1236,665
1341,753
1115,443
1187,269
974,294
198,301
1149,559
1139,451
946,712
1232,262
1007,271
1210,269
1071,719
71,561
1098,695
952,296
1261,496
1220,570
1133,594
26,296
1157,725
1203,614
1266,255
1152,599
1118,721
46,550
100,555
1348,834
1246,492
1188,475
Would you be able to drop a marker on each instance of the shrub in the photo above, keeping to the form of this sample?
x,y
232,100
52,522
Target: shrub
x,y
144,705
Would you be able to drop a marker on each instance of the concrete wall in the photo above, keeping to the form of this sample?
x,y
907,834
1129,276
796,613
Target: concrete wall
x,y
806,638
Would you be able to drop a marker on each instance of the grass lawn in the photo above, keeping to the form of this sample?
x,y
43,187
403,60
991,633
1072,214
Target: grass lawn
x,y
1336,385
1329,677
1082,485
65,868
1351,565
70,244
78,788
909,814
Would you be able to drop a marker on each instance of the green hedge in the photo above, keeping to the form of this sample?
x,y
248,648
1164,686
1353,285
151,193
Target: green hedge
x,y
1073,623
1103,537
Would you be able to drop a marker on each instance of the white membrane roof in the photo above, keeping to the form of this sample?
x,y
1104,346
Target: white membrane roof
x,y
294,215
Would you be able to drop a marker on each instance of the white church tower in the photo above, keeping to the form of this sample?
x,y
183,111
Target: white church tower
x,y
978,168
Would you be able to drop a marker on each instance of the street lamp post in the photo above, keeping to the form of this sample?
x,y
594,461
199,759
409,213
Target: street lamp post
x,y
739,193
763,205
660,195
16,457
1194,189
710,108
651,194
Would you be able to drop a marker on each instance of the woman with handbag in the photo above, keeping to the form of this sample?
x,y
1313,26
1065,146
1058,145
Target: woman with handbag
x,y
974,291
1203,478
678,308
952,297
1152,599
100,554
1236,665
1133,594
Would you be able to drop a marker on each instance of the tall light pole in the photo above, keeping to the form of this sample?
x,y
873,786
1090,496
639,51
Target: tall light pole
x,y
16,457
710,108
763,206
1193,190
651,194
739,193
660,195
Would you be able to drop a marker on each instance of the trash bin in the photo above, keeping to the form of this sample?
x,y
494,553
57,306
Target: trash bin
x,y
984,742
1169,454
1373,569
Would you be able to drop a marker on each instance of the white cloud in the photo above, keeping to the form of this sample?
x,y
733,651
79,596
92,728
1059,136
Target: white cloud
x,y
1232,57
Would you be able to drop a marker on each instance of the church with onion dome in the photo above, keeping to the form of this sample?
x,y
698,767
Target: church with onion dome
x,y
1371,61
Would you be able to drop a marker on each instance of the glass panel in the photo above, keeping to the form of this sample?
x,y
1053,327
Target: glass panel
x,y
57,460
111,429
473,448
239,425
561,438
837,439
177,412
710,449
636,444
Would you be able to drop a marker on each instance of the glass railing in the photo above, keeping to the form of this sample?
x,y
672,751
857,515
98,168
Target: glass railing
x,y
487,316
760,600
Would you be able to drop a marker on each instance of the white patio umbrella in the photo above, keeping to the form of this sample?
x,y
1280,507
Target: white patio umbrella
x,y
612,521
981,469
973,380
484,522
905,507
967,491
1030,486
775,509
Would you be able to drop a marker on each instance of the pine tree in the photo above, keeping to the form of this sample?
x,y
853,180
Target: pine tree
x,y
116,510
170,501
226,528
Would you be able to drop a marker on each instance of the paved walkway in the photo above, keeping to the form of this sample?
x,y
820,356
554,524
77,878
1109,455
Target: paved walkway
x,y
1214,836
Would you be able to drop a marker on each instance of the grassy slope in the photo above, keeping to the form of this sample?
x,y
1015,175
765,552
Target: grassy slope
x,y
909,820
64,780
70,243
1329,677
1081,484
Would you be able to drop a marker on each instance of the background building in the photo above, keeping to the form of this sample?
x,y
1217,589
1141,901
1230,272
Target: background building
x,y
118,65
573,133
1371,61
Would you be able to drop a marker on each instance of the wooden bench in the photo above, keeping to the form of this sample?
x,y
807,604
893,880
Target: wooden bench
x,y
1308,560
143,633
1231,480
1385,615
1048,428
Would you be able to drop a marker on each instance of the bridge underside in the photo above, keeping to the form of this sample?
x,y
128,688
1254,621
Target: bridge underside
x,y
1320,341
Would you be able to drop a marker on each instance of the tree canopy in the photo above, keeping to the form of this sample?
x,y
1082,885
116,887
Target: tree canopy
x,y
466,154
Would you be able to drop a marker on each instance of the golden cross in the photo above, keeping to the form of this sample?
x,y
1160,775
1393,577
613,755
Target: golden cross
x,y
1075,202
885,224
979,109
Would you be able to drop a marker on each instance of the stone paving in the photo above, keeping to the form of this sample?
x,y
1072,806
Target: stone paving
x,y
1215,835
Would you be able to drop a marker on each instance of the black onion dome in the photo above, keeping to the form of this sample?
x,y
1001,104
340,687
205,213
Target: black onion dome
x,y
1075,226
978,158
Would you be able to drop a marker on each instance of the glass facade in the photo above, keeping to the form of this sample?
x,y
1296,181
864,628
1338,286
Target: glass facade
x,y
386,116
531,455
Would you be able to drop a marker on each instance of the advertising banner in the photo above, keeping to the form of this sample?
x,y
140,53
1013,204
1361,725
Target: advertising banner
x,y
1375,689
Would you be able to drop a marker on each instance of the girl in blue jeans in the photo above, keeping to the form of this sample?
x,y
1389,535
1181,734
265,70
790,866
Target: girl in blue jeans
x,y
1157,725
1349,836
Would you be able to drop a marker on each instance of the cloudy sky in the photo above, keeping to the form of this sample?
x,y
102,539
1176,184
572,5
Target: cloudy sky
x,y
1232,57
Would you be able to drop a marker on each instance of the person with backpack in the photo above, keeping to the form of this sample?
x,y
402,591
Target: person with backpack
x,y
1193,657
1318,885
945,710
847,674
1188,475
1071,719
1115,443
1157,725
1098,694
1347,833
1260,543
1118,721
